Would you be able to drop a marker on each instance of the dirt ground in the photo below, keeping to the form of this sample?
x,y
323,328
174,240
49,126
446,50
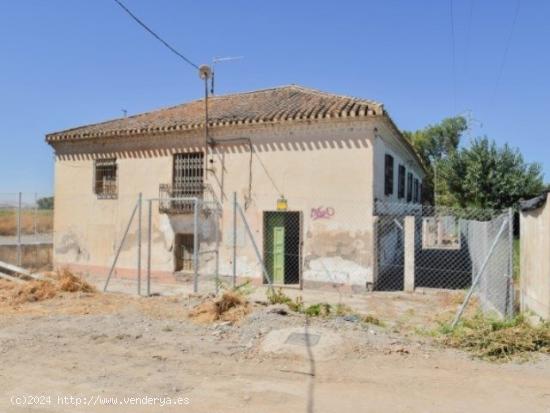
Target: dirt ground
x,y
96,347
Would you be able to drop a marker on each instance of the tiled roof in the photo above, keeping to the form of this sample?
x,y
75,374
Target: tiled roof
x,y
280,104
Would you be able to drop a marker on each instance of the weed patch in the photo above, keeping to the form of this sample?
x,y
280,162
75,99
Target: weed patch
x,y
497,340
318,309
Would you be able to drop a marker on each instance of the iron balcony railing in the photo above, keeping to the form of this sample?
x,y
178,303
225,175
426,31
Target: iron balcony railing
x,y
170,204
106,189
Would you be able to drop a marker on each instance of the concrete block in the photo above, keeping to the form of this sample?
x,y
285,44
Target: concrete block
x,y
409,229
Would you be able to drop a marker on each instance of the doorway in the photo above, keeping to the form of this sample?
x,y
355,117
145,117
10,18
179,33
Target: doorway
x,y
283,246
184,252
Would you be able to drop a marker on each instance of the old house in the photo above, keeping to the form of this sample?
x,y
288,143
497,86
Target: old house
x,y
329,156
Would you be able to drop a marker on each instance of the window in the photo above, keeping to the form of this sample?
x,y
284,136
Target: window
x,y
409,187
188,175
105,180
441,232
388,175
401,182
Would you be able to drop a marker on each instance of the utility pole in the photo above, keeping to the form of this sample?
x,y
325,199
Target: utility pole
x,y
205,74
435,183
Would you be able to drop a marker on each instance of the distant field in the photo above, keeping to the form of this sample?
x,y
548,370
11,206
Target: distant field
x,y
42,219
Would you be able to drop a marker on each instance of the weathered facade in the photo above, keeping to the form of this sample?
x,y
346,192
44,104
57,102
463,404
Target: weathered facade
x,y
535,257
328,155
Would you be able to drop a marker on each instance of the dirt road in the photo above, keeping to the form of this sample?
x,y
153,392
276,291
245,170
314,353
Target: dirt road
x,y
113,346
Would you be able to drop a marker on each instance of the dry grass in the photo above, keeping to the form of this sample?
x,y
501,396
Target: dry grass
x,y
231,306
498,340
67,281
34,291
43,219
39,290
452,298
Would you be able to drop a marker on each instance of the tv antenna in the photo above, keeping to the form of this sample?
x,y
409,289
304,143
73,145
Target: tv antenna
x,y
217,60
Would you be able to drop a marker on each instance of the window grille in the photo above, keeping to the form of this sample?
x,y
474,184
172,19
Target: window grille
x,y
105,179
188,178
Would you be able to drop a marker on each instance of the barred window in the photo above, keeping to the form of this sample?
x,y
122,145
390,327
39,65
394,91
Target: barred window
x,y
409,187
188,174
105,178
401,182
388,175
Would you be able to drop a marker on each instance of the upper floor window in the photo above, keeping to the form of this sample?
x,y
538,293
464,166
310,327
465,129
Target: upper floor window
x,y
401,182
409,187
105,178
416,191
188,174
388,175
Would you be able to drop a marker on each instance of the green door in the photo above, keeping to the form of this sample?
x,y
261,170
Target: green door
x,y
278,255
274,246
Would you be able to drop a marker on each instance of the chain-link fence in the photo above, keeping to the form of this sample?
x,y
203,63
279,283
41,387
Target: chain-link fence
x,y
26,230
446,248
317,242
306,242
169,239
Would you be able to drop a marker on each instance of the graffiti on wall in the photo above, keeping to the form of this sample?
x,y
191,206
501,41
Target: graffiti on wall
x,y
322,213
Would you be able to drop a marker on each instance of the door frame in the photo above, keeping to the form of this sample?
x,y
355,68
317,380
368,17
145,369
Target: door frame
x,y
287,224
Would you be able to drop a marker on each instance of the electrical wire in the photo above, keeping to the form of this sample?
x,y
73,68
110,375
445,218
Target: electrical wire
x,y
506,49
160,39
267,173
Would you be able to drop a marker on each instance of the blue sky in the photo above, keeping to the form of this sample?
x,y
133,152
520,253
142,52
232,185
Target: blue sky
x,y
66,63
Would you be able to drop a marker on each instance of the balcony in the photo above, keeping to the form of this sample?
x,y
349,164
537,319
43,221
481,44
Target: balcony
x,y
175,200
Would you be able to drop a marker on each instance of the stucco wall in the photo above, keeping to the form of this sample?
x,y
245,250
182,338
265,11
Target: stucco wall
x,y
324,169
535,261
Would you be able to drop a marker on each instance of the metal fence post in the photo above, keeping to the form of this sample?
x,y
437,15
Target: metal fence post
x,y
19,231
119,249
510,284
196,247
256,249
140,200
217,253
35,229
511,241
149,236
234,239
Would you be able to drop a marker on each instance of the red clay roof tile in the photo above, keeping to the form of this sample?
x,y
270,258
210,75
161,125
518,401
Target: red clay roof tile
x,y
269,105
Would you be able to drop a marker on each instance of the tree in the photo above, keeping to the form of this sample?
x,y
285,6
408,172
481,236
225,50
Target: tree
x,y
486,176
433,144
45,203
